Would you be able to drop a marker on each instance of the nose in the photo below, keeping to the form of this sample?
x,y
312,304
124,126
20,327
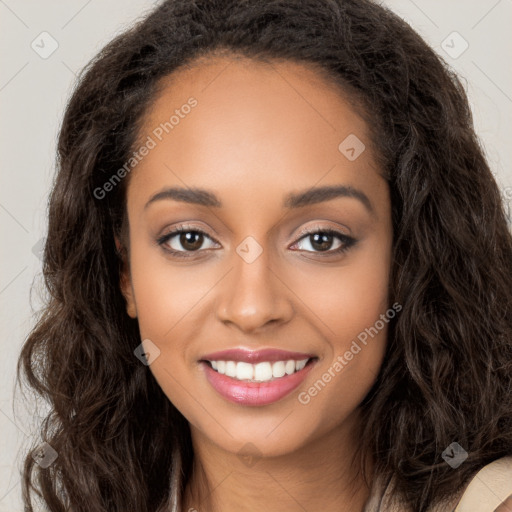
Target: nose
x,y
254,295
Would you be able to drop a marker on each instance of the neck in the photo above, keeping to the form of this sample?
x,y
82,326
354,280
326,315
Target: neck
x,y
322,475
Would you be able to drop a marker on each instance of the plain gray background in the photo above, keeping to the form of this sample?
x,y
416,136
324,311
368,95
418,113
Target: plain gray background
x,y
33,94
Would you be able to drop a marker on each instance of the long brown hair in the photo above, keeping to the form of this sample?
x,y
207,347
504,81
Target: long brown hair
x,y
447,372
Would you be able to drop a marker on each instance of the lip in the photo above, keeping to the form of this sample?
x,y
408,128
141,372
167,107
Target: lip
x,y
255,393
255,356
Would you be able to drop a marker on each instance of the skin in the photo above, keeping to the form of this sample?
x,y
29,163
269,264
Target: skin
x,y
506,506
259,132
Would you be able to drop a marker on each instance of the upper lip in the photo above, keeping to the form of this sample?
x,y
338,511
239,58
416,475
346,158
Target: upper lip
x,y
255,356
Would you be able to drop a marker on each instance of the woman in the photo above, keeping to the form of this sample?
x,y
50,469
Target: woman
x,y
277,261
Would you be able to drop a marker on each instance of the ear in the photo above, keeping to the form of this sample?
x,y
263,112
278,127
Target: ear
x,y
125,282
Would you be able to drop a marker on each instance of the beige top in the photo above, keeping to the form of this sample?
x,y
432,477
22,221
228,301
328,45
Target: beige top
x,y
490,487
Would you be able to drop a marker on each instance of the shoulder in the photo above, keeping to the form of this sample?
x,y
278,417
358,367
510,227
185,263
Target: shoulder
x,y
485,491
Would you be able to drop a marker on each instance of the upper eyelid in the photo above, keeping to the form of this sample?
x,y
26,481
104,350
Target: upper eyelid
x,y
302,234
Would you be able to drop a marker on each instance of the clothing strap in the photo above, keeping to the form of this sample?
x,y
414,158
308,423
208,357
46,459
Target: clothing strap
x,y
491,486
488,488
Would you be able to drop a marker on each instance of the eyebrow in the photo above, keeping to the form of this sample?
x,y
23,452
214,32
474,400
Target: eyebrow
x,y
301,199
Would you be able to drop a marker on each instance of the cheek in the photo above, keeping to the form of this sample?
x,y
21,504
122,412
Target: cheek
x,y
350,298
352,310
167,295
172,305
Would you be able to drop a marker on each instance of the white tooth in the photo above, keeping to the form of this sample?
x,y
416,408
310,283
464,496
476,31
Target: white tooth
x,y
278,369
244,371
290,367
230,368
262,371
300,364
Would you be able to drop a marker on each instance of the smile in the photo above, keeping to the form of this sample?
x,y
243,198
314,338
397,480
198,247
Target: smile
x,y
258,384
261,372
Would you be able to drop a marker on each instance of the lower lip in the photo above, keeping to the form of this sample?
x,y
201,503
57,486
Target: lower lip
x,y
255,393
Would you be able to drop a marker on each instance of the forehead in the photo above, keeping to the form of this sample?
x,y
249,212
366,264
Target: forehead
x,y
247,90
253,125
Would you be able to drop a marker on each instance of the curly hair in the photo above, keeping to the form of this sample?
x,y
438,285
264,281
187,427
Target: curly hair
x,y
447,370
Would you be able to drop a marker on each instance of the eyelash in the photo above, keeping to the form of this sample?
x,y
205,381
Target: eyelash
x,y
347,241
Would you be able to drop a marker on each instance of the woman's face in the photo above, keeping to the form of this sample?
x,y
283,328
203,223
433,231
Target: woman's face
x,y
262,142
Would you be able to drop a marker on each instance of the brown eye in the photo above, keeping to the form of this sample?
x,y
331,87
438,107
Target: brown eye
x,y
183,240
191,240
326,241
321,241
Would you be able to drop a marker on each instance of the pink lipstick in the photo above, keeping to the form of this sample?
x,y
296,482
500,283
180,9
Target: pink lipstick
x,y
256,378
